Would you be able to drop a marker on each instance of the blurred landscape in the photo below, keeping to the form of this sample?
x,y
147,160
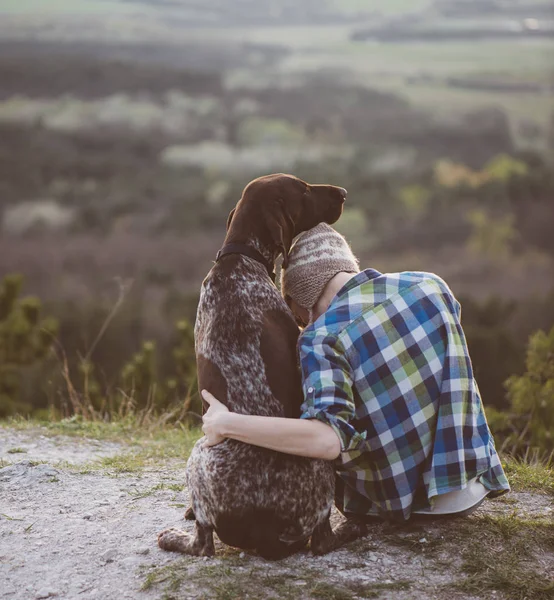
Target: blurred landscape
x,y
129,128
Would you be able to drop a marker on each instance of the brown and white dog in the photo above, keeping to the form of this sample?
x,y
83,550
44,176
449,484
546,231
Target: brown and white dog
x,y
245,338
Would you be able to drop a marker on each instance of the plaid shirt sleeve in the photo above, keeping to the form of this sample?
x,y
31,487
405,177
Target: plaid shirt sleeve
x,y
327,381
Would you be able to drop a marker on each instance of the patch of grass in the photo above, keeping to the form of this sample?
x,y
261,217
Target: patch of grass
x,y
506,500
502,557
326,591
129,430
10,518
237,578
123,463
502,571
524,535
374,590
145,449
149,455
17,451
171,575
158,487
77,427
526,476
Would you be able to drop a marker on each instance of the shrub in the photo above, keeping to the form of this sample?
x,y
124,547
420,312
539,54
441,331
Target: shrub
x,y
531,395
25,341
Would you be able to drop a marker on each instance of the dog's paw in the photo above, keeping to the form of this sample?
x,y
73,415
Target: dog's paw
x,y
174,540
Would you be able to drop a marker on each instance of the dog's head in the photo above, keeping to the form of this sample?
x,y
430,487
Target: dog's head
x,y
276,208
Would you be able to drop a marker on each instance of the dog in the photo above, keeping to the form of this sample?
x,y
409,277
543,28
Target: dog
x,y
245,341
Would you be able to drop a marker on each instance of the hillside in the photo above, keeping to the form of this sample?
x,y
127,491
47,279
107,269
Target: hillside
x,y
80,506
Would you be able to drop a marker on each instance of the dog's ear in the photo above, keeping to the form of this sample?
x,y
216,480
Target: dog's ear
x,y
281,229
230,218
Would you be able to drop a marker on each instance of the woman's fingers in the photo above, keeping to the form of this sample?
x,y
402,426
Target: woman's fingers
x,y
207,396
212,438
213,402
211,418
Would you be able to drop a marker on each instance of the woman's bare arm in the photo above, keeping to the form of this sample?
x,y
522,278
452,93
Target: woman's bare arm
x,y
301,437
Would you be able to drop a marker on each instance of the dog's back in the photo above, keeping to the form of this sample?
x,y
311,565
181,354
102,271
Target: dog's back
x,y
246,353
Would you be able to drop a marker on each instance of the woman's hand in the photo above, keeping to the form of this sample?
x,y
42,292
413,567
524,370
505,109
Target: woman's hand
x,y
212,419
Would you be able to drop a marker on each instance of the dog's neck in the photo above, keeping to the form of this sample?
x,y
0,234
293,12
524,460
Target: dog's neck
x,y
264,250
269,254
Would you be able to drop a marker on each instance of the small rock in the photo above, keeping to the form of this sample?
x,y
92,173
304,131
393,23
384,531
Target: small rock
x,y
144,550
87,516
46,593
242,555
423,540
373,558
109,555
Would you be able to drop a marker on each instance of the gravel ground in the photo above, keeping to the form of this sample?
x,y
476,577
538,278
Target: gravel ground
x,y
70,529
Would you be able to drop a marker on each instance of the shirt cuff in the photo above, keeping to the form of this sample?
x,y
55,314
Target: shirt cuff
x,y
350,439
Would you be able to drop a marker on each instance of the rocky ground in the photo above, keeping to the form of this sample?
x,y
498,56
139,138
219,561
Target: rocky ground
x,y
79,517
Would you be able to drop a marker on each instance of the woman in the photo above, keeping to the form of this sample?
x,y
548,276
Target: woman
x,y
388,386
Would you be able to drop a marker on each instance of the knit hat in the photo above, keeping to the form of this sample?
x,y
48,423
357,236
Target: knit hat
x,y
314,259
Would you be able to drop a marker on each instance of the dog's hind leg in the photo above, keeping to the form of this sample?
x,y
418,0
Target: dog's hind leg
x,y
201,544
324,539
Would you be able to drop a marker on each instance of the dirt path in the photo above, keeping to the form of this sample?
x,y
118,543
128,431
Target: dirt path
x,y
79,526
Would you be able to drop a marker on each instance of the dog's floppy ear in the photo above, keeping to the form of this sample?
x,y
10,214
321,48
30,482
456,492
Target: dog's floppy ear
x,y
281,229
230,218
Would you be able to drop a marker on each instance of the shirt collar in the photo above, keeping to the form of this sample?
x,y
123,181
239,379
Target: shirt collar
x,y
358,279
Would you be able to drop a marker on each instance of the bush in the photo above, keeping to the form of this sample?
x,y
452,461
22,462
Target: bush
x,y
25,341
149,383
532,394
526,428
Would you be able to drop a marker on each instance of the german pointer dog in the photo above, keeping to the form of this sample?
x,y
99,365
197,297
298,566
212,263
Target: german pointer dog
x,y
245,339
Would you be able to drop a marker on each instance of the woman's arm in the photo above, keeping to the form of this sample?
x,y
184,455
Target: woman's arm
x,y
302,437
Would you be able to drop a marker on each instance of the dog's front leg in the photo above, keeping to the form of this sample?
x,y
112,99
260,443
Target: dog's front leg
x,y
201,544
324,539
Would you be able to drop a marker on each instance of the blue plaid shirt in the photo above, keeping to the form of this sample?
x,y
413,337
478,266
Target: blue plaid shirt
x,y
387,367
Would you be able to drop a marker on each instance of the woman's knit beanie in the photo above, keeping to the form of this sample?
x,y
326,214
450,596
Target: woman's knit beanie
x,y
314,259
